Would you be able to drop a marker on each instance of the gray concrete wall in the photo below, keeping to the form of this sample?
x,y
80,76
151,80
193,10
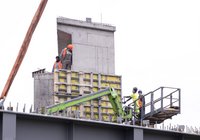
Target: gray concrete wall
x,y
43,90
93,45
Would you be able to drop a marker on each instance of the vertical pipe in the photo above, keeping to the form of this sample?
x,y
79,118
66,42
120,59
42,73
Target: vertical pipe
x,y
171,100
161,98
179,100
91,102
152,103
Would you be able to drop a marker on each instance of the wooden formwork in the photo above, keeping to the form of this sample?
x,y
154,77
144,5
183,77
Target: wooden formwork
x,y
71,84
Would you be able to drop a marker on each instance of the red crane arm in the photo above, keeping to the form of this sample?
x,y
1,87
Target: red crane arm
x,y
24,48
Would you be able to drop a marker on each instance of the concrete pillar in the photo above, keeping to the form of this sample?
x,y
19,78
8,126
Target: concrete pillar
x,y
71,131
9,126
138,134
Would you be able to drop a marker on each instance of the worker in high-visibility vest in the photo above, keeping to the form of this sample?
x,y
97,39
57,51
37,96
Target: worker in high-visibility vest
x,y
141,103
66,56
57,65
135,97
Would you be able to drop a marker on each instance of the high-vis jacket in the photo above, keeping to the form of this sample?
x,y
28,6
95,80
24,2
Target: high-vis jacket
x,y
135,97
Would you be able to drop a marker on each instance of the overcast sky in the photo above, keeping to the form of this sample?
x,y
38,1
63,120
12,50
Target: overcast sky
x,y
156,44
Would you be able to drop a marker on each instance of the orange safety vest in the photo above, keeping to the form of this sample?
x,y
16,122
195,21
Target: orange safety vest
x,y
58,65
139,103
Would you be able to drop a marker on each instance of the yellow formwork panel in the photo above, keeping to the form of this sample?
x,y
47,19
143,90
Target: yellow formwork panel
x,y
95,89
96,117
87,103
74,108
107,114
111,78
74,81
87,116
58,88
74,87
115,85
107,110
95,109
106,118
61,100
75,93
95,76
62,87
109,118
95,103
104,84
95,83
87,89
103,77
105,98
118,91
88,109
87,76
114,78
62,74
75,74
106,104
61,80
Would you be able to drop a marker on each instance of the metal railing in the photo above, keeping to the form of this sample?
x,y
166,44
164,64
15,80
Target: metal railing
x,y
161,99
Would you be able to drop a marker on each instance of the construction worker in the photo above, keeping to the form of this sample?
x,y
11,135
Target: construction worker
x,y
141,103
66,56
135,97
57,65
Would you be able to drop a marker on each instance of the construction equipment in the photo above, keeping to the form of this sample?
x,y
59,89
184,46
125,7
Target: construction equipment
x,y
161,104
23,50
122,113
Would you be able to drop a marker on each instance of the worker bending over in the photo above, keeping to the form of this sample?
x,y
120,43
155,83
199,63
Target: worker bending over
x,y
57,65
66,56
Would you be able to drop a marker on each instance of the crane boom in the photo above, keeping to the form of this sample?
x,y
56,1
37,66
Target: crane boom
x,y
23,49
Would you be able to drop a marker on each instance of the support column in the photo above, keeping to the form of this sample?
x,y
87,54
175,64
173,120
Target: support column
x,y
9,126
71,131
138,134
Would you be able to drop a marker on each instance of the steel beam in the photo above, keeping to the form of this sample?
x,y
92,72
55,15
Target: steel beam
x,y
24,126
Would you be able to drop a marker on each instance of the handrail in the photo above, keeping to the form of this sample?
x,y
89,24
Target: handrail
x,y
157,100
161,98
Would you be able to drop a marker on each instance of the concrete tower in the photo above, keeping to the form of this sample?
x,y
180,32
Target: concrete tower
x,y
93,44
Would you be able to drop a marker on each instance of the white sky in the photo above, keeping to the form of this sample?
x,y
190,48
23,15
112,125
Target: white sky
x,y
156,44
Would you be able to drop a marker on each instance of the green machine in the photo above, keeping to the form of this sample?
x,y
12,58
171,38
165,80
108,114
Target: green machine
x,y
123,113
